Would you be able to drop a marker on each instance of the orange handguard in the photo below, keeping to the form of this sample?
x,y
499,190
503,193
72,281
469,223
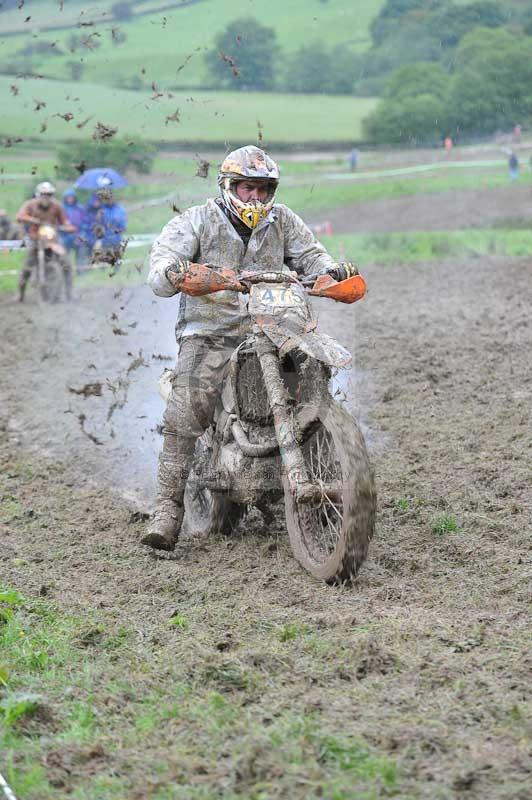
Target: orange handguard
x,y
348,291
200,279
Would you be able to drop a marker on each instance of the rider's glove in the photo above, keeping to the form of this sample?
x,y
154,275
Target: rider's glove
x,y
342,271
179,268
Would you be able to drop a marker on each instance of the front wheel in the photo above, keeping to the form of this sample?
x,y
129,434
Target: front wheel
x,y
51,284
330,533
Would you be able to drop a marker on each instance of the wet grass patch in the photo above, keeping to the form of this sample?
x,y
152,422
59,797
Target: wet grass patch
x,y
75,691
424,246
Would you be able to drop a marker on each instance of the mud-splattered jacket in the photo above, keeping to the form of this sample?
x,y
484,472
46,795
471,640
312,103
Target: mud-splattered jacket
x,y
204,234
31,210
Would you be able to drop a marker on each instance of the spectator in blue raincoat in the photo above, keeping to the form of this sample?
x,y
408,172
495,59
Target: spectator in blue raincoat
x,y
110,225
91,223
75,214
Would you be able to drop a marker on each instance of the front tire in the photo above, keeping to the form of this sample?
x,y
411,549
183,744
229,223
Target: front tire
x,y
330,538
51,287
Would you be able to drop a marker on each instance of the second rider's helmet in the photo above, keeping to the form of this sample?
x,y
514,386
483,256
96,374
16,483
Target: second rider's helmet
x,y
44,188
248,163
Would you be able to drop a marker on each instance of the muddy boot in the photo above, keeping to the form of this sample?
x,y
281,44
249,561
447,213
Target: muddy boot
x,y
23,282
174,465
164,527
67,275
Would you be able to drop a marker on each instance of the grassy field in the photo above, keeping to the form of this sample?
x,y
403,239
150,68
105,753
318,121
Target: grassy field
x,y
305,186
206,117
160,43
47,674
429,246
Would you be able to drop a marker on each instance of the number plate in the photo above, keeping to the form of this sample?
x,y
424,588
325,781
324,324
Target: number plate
x,y
269,297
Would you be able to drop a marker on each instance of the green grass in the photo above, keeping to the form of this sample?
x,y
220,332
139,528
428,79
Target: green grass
x,y
160,43
327,193
205,117
443,524
131,273
62,705
421,246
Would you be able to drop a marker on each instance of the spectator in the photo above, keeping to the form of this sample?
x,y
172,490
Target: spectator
x,y
448,144
88,230
353,159
8,229
73,241
513,166
110,224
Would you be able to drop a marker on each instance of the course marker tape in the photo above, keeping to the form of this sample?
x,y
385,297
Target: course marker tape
x,y
7,789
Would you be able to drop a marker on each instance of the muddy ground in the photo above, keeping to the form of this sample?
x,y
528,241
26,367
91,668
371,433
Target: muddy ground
x,y
427,657
507,206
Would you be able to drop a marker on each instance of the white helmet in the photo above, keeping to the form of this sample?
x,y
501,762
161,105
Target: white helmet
x,y
248,163
44,188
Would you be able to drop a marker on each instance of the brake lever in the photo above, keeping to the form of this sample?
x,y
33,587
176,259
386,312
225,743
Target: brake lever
x,y
310,280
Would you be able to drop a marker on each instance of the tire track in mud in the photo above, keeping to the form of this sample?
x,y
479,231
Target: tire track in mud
x,y
442,211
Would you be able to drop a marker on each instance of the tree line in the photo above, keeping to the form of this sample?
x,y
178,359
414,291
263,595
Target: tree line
x,y
459,71
439,68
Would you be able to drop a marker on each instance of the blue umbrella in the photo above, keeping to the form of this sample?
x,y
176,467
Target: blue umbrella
x,y
100,178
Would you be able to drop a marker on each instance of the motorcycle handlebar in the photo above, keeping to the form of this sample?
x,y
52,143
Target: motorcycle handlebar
x,y
202,279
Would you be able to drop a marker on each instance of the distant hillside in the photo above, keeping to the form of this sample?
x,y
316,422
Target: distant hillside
x,y
71,111
166,46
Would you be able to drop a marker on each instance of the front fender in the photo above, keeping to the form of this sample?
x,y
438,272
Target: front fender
x,y
316,345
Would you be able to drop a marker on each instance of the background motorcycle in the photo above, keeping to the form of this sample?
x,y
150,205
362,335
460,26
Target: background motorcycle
x,y
48,270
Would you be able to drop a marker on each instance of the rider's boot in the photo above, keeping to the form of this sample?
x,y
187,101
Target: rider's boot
x,y
23,281
174,466
68,283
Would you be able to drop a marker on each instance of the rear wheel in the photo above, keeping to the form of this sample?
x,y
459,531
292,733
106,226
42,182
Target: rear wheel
x,y
330,533
207,512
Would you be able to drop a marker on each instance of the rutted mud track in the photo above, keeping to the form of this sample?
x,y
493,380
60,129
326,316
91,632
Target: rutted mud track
x,y
427,654
426,212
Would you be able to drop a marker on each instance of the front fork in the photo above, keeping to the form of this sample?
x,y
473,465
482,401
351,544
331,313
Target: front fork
x,y
39,277
283,420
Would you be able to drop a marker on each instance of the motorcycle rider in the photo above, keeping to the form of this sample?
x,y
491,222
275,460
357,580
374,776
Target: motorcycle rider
x,y
243,227
41,210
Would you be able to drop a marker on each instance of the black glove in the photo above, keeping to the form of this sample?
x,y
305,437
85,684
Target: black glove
x,y
342,271
179,268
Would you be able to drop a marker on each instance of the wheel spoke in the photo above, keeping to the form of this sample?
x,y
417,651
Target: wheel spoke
x,y
324,521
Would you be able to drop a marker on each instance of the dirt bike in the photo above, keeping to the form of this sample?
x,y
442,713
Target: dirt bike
x,y
48,269
277,429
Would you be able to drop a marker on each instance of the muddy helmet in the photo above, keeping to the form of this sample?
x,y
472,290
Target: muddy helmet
x,y
44,188
248,163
